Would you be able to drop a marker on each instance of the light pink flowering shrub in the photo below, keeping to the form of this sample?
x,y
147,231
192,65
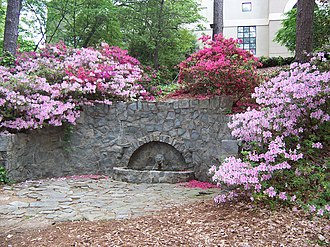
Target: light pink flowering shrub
x,y
50,87
281,138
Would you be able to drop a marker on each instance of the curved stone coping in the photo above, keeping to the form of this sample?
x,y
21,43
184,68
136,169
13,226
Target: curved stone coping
x,y
151,176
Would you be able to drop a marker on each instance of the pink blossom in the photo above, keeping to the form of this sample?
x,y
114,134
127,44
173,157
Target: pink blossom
x,y
320,212
270,192
220,199
312,208
327,207
317,145
293,198
282,196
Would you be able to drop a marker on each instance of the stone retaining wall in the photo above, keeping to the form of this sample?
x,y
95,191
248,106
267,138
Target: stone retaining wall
x,y
108,136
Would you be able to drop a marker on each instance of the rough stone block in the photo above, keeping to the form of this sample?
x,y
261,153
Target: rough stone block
x,y
177,123
152,106
176,104
194,103
4,142
195,135
132,106
181,131
195,115
226,102
229,147
139,105
150,127
173,133
168,125
170,115
162,107
204,104
215,103
184,104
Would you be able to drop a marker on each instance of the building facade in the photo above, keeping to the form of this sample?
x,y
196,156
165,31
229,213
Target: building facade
x,y
255,22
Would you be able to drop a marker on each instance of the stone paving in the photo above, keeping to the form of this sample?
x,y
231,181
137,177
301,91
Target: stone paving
x,y
35,204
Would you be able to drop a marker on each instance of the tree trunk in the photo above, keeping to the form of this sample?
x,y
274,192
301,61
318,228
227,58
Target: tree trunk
x,y
11,26
159,32
217,17
304,29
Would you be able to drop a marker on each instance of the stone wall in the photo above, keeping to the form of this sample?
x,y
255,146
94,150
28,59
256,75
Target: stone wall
x,y
107,136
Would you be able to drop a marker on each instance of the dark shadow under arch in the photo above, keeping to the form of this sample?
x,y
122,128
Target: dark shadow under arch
x,y
157,155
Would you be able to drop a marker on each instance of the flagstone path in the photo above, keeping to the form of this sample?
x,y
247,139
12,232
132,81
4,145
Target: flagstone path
x,y
36,204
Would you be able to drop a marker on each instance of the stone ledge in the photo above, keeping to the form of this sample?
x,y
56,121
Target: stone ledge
x,y
151,176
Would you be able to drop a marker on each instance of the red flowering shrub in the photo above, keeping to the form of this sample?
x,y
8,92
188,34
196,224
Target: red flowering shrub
x,y
221,68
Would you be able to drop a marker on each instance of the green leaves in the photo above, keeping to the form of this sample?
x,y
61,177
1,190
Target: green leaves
x,y
154,30
82,23
3,175
287,34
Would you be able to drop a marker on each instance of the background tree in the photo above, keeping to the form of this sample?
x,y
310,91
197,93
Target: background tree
x,y
304,29
11,26
82,23
156,31
286,35
217,17
33,24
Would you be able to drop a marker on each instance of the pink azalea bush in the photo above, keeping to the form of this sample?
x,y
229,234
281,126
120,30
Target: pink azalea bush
x,y
220,68
282,139
51,86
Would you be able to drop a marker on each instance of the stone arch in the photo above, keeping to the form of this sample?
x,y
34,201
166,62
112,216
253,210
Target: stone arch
x,y
289,5
158,137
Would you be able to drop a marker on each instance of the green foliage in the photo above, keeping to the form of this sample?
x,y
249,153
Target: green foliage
x,y
33,21
2,22
25,45
7,59
2,16
169,88
287,34
309,178
154,30
82,23
275,61
3,175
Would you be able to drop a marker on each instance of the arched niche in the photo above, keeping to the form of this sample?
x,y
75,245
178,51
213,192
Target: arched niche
x,y
156,155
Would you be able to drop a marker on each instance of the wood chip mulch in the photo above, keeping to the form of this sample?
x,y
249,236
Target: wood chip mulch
x,y
198,224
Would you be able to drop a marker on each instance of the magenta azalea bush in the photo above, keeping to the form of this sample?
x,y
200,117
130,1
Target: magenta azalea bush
x,y
221,68
51,86
283,140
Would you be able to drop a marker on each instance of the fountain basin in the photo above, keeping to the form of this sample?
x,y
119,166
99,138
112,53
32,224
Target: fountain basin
x,y
151,176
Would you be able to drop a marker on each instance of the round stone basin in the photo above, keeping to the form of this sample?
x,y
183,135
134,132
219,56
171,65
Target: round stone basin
x,y
151,176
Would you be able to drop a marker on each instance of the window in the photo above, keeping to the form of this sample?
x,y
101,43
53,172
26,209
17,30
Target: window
x,y
247,7
248,37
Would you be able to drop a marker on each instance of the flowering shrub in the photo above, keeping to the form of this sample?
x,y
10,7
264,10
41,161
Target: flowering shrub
x,y
221,68
285,139
50,87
